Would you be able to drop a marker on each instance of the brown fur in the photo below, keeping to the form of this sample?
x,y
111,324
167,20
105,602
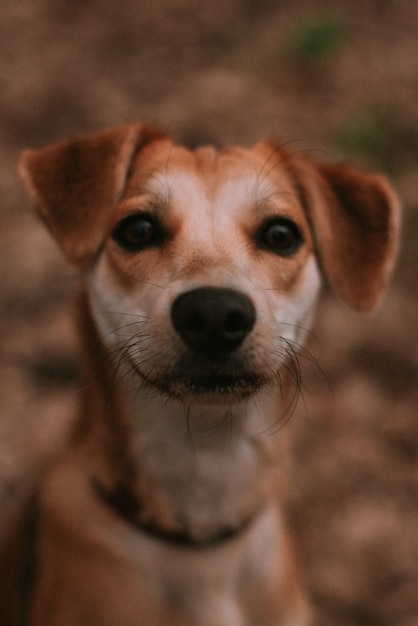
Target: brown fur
x,y
94,541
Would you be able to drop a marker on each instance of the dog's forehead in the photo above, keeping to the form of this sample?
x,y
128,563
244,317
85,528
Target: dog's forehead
x,y
235,176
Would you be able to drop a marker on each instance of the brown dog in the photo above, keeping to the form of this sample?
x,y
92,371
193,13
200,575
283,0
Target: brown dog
x,y
201,271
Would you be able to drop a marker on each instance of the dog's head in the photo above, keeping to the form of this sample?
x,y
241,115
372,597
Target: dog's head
x,y
203,267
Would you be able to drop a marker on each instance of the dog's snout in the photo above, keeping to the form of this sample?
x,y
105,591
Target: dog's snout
x,y
213,321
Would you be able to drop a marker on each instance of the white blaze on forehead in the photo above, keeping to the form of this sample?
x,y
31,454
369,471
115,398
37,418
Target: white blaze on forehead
x,y
204,199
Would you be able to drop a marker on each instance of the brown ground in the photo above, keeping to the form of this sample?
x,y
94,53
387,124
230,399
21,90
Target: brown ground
x,y
340,78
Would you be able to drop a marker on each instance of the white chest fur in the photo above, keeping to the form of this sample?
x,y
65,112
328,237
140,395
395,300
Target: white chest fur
x,y
204,469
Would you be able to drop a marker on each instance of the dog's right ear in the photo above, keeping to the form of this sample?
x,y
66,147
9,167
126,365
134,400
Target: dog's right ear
x,y
355,221
75,185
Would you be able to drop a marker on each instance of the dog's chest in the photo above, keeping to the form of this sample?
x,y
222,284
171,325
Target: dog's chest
x,y
119,575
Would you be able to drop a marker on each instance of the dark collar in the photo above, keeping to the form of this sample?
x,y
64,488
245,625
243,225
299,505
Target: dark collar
x,y
125,504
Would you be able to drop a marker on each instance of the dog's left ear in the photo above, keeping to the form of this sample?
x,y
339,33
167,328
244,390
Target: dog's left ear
x,y
355,219
75,185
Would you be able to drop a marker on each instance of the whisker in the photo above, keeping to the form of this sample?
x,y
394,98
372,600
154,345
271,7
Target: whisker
x,y
190,438
308,331
290,408
216,428
304,354
118,329
125,313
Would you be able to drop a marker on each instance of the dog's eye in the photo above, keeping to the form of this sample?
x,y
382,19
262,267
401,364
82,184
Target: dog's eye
x,y
280,235
136,232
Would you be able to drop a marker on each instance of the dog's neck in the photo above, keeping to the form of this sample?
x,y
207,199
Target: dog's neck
x,y
203,470
191,471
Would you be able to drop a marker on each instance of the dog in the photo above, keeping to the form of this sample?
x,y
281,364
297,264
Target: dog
x,y
200,275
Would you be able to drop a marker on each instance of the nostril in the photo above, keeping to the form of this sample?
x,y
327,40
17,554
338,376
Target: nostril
x,y
195,321
237,321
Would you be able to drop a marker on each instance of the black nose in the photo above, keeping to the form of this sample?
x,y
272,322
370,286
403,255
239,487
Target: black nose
x,y
213,321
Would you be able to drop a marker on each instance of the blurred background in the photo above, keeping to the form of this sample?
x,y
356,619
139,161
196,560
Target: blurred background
x,y
338,78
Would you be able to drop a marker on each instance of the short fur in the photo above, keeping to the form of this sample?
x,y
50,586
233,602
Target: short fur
x,y
167,511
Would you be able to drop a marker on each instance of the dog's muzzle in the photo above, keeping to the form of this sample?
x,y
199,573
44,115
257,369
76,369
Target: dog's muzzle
x,y
213,322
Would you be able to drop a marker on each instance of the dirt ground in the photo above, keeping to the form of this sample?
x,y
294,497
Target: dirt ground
x,y
337,78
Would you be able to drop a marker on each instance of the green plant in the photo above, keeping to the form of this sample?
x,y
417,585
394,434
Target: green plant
x,y
367,133
316,38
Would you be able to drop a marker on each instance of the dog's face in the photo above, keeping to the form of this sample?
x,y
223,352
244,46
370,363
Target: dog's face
x,y
203,267
207,277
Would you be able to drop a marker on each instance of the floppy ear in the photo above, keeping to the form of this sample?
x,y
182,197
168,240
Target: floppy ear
x,y
355,218
75,185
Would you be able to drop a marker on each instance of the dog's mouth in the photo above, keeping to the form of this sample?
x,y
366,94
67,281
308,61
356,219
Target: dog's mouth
x,y
219,384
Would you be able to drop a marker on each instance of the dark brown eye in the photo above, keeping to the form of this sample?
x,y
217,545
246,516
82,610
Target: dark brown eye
x,y
281,236
137,232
